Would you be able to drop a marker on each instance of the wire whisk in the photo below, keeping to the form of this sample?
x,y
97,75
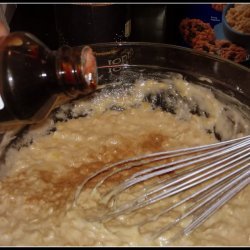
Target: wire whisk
x,y
204,177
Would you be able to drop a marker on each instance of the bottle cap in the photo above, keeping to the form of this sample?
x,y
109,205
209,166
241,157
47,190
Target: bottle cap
x,y
89,67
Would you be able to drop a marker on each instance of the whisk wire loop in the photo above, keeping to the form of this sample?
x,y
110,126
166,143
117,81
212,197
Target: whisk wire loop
x,y
205,177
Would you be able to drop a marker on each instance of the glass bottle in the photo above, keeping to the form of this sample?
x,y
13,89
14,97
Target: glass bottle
x,y
101,22
32,77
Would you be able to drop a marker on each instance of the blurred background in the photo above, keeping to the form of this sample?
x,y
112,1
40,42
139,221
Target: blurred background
x,y
75,24
196,25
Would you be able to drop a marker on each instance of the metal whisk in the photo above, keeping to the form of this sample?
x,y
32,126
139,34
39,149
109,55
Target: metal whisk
x,y
211,175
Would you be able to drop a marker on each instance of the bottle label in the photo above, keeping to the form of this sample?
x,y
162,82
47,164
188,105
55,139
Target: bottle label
x,y
1,103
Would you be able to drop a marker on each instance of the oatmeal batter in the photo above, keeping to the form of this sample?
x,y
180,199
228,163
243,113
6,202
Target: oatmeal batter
x,y
44,169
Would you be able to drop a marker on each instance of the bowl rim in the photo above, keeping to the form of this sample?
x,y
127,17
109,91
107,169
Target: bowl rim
x,y
224,20
171,46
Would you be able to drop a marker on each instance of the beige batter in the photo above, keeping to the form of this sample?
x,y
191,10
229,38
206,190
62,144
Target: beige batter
x,y
42,177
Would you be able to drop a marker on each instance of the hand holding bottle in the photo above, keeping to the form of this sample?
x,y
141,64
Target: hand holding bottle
x,y
3,30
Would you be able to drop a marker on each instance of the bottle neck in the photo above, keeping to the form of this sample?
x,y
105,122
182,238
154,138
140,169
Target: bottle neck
x,y
76,69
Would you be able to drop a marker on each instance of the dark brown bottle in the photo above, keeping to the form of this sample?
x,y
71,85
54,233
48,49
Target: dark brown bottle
x,y
32,77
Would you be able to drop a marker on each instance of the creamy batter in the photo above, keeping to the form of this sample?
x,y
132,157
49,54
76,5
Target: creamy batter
x,y
43,169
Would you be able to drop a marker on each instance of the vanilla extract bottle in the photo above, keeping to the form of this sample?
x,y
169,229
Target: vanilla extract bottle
x,y
32,77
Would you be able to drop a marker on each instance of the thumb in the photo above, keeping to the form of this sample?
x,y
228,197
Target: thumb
x,y
3,30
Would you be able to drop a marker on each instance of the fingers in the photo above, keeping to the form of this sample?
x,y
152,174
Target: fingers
x,y
3,30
